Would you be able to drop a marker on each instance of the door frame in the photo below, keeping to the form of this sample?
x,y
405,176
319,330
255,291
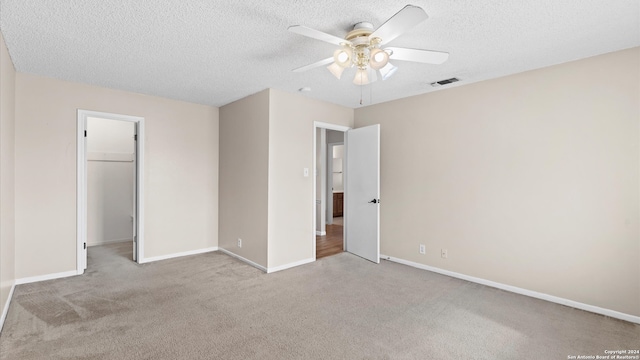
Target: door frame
x,y
81,188
328,126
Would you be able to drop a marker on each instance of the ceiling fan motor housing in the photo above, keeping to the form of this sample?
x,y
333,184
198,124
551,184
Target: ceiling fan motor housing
x,y
360,29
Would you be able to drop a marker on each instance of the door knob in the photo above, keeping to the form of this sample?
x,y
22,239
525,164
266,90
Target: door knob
x,y
374,201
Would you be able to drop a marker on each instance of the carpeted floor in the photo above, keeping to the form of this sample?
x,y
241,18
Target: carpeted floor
x,y
212,306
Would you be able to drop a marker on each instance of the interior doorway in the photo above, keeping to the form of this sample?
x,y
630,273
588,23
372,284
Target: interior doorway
x,y
329,190
110,191
110,185
332,242
361,194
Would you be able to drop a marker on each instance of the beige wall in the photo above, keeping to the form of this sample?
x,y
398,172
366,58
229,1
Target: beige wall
x,y
266,142
530,180
181,171
7,185
291,198
244,166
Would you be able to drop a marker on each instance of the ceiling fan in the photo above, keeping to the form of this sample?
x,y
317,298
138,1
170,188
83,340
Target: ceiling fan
x,y
362,47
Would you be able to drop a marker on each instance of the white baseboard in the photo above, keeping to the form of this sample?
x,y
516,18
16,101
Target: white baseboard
x,y
255,265
171,256
321,233
521,291
29,280
288,266
105,242
5,310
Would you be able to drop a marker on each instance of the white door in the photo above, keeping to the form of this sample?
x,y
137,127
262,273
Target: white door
x,y
84,197
362,195
134,212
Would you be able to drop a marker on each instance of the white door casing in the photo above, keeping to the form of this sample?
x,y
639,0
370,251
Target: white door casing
x,y
362,192
81,195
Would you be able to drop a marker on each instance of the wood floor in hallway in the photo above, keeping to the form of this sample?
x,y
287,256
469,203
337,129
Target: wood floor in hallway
x,y
331,243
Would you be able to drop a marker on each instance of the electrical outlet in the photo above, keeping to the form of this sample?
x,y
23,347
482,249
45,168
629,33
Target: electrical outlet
x,y
443,253
423,249
239,242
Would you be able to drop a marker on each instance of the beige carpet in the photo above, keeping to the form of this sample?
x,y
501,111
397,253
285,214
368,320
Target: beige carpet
x,y
212,306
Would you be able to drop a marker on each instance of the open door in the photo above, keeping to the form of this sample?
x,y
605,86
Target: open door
x,y
362,203
134,213
82,186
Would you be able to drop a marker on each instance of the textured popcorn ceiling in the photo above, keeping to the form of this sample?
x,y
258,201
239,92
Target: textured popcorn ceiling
x,y
215,52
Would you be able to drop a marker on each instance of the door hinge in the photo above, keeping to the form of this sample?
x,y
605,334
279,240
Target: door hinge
x,y
85,246
135,137
85,133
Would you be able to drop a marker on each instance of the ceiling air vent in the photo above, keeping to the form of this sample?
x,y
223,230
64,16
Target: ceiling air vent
x,y
444,82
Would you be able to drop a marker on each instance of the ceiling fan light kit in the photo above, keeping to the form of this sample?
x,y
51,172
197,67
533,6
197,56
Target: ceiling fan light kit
x,y
361,78
342,57
361,47
362,52
388,70
379,59
336,70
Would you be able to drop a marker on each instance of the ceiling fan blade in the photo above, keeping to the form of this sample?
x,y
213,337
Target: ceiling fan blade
x,y
423,56
402,21
318,35
314,65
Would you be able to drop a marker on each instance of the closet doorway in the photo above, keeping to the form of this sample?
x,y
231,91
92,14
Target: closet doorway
x,y
109,191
